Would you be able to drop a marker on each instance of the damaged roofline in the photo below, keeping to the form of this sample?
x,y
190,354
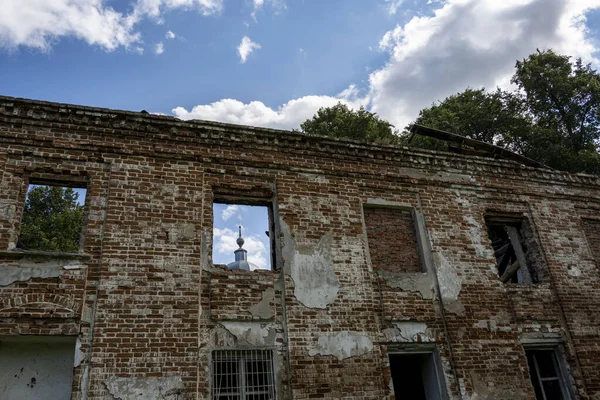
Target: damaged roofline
x,y
324,144
485,149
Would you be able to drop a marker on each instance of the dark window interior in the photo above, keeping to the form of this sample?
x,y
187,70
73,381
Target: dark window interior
x,y
415,376
514,259
545,375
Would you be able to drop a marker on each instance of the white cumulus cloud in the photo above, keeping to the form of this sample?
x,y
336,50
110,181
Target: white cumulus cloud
x,y
41,23
463,43
246,47
288,116
229,211
155,8
470,43
393,6
159,48
170,35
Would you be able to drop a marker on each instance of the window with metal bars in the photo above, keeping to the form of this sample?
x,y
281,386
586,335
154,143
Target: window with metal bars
x,y
546,377
243,375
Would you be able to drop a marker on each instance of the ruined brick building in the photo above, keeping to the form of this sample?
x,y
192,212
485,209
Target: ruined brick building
x,y
434,275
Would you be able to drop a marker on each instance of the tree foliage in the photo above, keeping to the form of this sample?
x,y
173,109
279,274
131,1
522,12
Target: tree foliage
x,y
52,220
553,115
341,122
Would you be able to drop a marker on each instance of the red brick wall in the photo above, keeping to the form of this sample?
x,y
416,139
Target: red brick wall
x,y
233,294
392,240
150,304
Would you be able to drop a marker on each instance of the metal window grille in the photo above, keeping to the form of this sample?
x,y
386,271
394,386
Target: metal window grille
x,y
243,375
544,370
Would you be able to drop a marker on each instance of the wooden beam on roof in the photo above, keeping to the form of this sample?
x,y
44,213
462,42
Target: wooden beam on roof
x,y
485,149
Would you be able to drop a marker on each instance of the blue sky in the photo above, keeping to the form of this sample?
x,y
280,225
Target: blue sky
x,y
254,221
273,63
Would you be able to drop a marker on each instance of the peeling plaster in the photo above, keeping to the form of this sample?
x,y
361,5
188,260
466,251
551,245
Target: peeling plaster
x,y
342,345
486,388
410,332
312,269
438,176
10,275
409,281
573,271
79,356
145,388
264,308
204,253
7,211
177,232
450,284
475,230
315,178
488,324
252,333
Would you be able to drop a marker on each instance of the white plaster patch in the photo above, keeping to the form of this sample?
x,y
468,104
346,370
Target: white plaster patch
x,y
263,309
475,229
410,331
573,271
9,275
450,284
315,282
145,388
315,178
488,324
418,282
69,267
79,356
253,333
342,345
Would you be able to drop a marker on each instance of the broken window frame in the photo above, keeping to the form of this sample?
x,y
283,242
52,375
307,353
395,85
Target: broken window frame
x,y
73,182
559,366
511,259
423,350
238,361
255,202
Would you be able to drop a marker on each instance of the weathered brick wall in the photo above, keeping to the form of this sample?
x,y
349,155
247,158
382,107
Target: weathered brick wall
x,y
149,308
243,295
392,240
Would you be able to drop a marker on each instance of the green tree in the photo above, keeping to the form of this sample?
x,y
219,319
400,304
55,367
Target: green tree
x,y
52,220
496,117
341,122
564,100
553,115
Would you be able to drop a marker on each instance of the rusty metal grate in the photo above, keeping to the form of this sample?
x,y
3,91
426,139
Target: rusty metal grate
x,y
243,375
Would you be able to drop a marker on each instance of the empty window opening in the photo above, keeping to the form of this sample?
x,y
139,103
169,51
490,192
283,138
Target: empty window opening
x,y
243,375
592,233
52,218
392,239
416,376
546,375
243,236
36,367
512,246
